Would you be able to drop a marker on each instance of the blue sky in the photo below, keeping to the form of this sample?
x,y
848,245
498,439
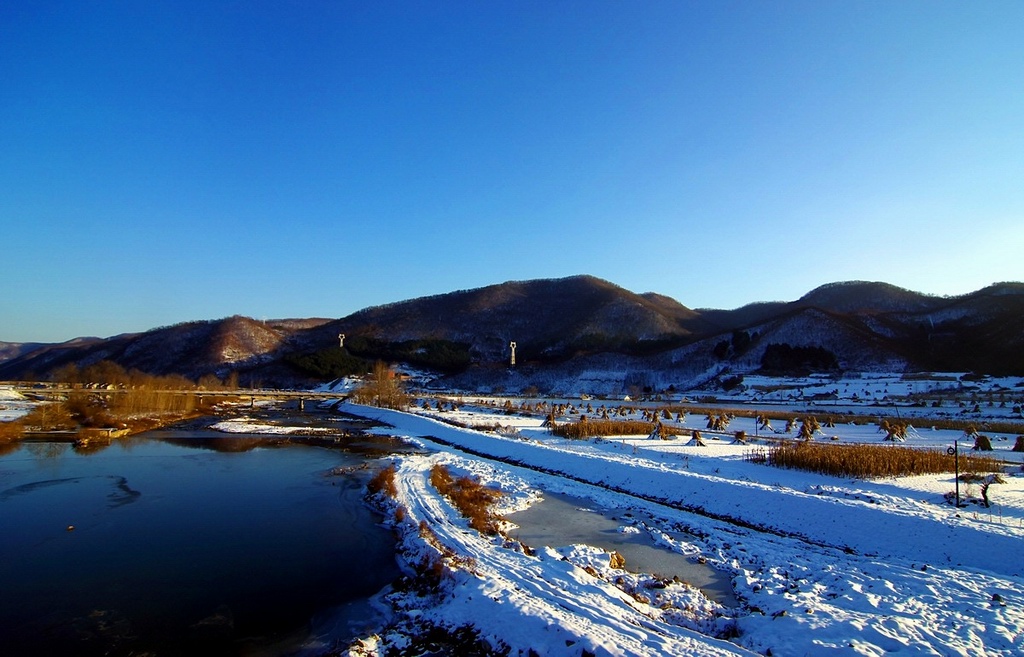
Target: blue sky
x,y
163,162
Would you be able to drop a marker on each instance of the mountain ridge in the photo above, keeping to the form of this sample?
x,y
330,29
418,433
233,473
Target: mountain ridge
x,y
567,322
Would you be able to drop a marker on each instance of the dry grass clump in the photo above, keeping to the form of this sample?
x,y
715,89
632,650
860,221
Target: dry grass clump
x,y
473,500
808,427
718,421
431,567
589,428
869,461
982,443
383,482
895,430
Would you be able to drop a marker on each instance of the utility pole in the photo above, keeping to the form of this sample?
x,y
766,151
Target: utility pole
x,y
954,451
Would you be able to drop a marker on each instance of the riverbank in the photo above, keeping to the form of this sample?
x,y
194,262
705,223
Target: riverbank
x,y
816,562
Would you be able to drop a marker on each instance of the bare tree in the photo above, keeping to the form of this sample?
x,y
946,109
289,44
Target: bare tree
x,y
383,388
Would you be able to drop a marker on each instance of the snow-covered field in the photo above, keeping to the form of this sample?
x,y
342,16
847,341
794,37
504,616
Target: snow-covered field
x,y
819,564
932,395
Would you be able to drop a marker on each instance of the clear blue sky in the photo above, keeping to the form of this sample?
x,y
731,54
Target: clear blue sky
x,y
170,161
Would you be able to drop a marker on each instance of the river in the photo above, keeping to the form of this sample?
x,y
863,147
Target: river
x,y
186,543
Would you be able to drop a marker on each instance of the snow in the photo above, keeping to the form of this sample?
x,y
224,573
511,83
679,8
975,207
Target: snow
x,y
522,601
888,394
13,404
248,425
818,563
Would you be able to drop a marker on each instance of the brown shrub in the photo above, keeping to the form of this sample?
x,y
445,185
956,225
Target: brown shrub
x,y
383,482
90,411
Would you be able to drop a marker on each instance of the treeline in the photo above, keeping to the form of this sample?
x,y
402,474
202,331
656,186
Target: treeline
x,y
329,363
436,354
546,352
105,395
786,359
360,352
109,373
735,346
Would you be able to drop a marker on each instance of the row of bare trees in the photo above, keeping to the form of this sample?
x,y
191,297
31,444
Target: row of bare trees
x,y
109,373
106,395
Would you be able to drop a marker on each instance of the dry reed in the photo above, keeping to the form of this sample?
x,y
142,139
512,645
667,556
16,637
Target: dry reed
x,y
868,461
473,500
589,428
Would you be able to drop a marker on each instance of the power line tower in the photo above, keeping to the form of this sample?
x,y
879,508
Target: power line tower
x,y
512,345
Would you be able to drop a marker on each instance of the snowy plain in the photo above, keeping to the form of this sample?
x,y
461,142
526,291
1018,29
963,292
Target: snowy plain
x,y
819,564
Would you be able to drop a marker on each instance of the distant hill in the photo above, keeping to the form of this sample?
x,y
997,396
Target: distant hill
x,y
549,319
191,349
867,297
864,297
9,350
982,331
582,329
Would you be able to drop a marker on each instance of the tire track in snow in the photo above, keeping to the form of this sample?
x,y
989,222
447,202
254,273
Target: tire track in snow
x,y
543,591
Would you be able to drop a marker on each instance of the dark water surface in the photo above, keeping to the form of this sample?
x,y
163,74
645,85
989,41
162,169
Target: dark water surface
x,y
179,549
